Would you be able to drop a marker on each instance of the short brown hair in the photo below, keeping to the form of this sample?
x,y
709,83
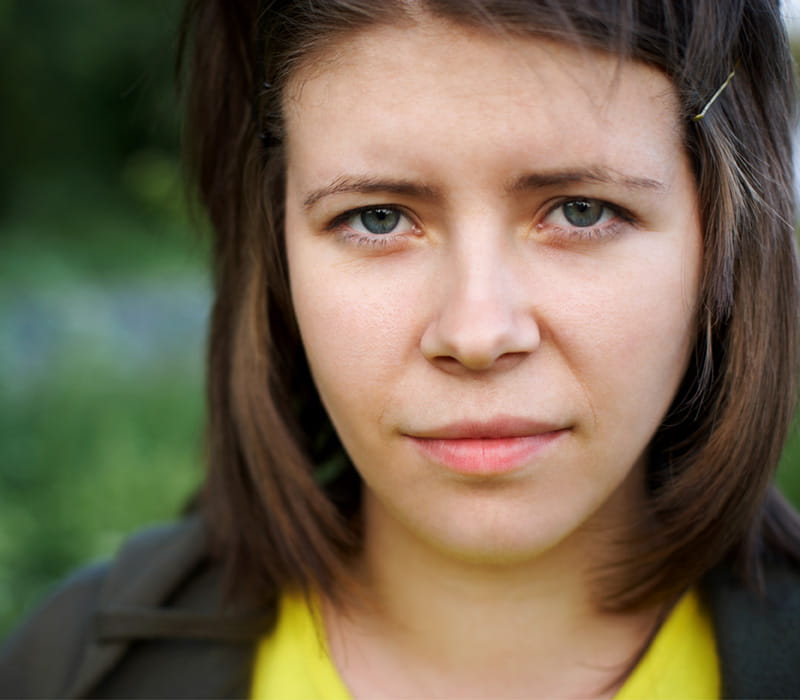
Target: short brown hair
x,y
281,496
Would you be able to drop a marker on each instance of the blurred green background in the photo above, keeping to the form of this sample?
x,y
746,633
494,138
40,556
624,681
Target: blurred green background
x,y
103,290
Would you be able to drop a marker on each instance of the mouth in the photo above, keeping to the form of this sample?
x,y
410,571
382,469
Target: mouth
x,y
495,447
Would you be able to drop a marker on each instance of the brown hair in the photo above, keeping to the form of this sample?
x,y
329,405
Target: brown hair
x,y
281,496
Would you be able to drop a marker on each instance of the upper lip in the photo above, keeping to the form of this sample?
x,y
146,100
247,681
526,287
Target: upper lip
x,y
499,427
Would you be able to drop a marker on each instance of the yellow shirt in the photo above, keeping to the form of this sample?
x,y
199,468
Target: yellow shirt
x,y
682,660
293,663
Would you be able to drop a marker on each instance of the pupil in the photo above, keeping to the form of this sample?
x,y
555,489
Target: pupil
x,y
380,220
583,212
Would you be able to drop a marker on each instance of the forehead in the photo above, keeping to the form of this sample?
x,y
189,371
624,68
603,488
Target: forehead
x,y
406,94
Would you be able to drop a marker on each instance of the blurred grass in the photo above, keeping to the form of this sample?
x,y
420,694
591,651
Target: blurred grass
x,y
103,289
789,469
89,455
103,302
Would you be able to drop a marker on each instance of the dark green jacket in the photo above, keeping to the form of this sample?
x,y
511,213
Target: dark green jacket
x,y
153,624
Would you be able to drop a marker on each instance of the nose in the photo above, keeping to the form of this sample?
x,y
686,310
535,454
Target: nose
x,y
482,316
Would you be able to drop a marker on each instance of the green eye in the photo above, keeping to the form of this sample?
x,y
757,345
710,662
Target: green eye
x,y
380,220
583,212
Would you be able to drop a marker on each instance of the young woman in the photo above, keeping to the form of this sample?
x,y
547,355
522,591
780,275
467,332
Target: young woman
x,y
502,361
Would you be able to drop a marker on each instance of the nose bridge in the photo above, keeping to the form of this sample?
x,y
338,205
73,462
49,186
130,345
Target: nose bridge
x,y
480,287
482,313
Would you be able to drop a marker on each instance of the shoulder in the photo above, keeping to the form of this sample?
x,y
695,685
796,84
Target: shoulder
x,y
58,634
96,633
52,638
757,632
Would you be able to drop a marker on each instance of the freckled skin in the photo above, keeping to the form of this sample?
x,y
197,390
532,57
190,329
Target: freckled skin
x,y
486,302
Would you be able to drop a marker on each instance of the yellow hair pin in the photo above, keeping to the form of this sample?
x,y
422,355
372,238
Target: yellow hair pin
x,y
698,117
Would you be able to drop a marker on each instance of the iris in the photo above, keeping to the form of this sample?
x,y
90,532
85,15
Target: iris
x,y
380,221
583,212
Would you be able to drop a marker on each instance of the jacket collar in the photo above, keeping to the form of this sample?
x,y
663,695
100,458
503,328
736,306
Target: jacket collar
x,y
758,635
162,586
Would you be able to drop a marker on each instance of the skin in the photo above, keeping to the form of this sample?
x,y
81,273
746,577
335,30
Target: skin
x,y
485,306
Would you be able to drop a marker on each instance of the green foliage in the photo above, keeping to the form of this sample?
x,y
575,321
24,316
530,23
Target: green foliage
x,y
85,84
102,405
100,421
789,470
103,292
89,455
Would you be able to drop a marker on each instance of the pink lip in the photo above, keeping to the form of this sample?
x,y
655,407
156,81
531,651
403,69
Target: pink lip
x,y
486,448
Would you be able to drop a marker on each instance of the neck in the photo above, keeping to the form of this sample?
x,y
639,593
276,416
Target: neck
x,y
439,625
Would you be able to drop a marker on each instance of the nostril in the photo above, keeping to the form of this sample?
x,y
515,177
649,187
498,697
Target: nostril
x,y
464,365
448,364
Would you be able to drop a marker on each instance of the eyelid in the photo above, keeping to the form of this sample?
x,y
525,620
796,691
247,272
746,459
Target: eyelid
x,y
621,216
338,225
345,216
561,201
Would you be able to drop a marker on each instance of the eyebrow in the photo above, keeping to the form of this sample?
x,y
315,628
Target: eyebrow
x,y
367,185
591,175
345,184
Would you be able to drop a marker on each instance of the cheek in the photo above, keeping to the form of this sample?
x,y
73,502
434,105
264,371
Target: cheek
x,y
628,336
359,329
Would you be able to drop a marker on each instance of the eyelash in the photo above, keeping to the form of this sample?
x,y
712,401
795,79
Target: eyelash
x,y
609,229
338,225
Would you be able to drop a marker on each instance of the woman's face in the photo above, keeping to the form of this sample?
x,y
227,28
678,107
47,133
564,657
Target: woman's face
x,y
494,250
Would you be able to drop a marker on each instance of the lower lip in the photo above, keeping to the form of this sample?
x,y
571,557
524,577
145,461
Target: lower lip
x,y
486,456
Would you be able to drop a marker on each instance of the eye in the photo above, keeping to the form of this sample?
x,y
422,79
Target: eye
x,y
376,220
581,213
584,219
380,226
